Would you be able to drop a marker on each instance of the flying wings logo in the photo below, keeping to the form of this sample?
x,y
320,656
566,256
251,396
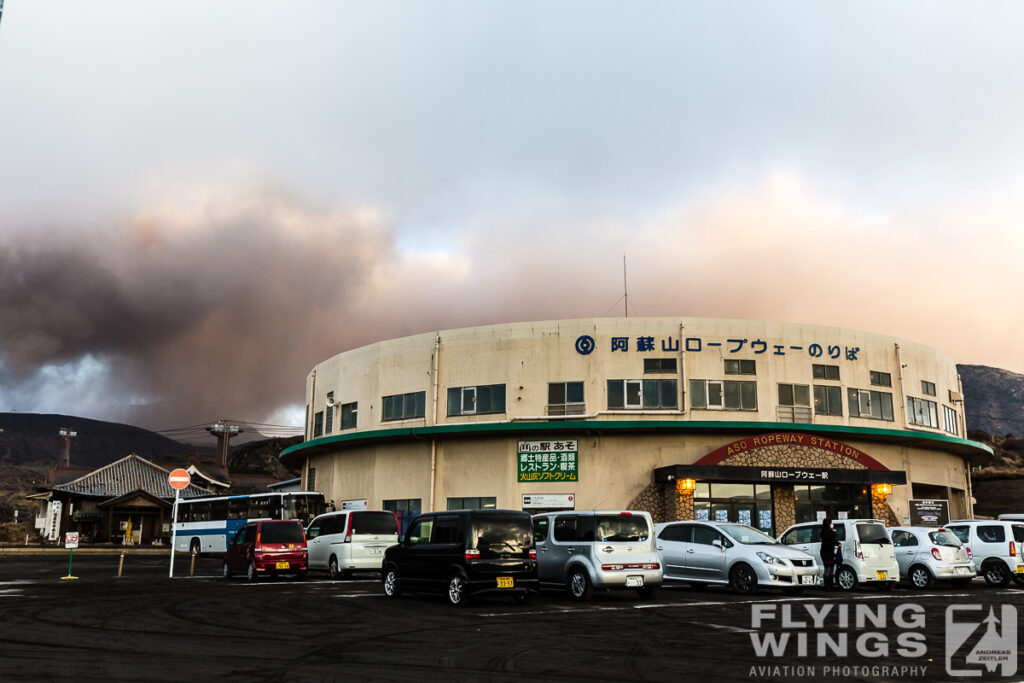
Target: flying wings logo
x,y
977,644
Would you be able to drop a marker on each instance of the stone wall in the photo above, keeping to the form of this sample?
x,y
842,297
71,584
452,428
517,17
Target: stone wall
x,y
652,499
789,455
784,507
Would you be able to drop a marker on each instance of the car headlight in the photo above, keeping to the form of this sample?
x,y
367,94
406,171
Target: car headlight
x,y
771,559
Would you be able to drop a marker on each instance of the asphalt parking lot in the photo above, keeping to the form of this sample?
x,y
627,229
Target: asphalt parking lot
x,y
145,626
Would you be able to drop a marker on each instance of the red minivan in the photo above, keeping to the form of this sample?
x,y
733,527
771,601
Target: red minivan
x,y
267,548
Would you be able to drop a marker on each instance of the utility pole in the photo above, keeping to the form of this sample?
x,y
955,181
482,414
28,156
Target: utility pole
x,y
223,431
67,435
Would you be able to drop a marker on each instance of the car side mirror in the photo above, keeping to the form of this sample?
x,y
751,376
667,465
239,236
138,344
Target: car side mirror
x,y
718,544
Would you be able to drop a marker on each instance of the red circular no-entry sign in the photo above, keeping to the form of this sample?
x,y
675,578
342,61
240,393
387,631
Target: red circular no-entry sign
x,y
179,479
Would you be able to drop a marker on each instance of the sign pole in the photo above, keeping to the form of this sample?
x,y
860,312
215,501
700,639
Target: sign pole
x,y
174,529
70,542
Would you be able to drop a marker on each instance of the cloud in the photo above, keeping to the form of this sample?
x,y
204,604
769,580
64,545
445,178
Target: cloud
x,y
218,307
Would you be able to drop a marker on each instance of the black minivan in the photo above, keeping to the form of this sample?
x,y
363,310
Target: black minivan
x,y
464,552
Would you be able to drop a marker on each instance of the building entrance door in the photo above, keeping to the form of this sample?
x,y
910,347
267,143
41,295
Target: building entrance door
x,y
853,500
749,504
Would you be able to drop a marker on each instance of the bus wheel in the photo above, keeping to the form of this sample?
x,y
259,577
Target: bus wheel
x,y
194,546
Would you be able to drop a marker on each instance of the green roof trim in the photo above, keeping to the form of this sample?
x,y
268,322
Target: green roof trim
x,y
481,428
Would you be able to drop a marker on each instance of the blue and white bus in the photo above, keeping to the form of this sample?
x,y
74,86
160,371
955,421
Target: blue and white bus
x,y
205,524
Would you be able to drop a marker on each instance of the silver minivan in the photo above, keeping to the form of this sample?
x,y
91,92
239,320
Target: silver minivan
x,y
350,540
603,549
732,554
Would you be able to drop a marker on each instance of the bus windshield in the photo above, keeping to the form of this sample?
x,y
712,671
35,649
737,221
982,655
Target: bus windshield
x,y
304,506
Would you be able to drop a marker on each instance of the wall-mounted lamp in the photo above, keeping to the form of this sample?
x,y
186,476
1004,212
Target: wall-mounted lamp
x,y
882,489
685,485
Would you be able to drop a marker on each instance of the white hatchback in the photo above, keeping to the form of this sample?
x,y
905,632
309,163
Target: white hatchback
x,y
350,540
867,552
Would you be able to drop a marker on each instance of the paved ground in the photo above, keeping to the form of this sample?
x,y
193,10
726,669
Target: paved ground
x,y
147,627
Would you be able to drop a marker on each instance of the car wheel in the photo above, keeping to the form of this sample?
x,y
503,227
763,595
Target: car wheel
x,y
846,579
332,568
250,573
225,571
743,579
580,587
920,577
457,591
648,592
194,546
392,588
996,574
793,590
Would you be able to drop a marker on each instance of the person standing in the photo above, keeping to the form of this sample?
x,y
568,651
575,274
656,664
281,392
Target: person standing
x,y
828,551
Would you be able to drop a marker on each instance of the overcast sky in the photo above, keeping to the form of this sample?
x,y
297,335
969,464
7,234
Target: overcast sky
x,y
199,201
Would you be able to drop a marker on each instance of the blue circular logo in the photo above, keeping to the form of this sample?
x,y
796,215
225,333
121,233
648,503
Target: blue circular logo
x,y
585,345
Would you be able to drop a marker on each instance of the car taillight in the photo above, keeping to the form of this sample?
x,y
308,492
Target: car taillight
x,y
625,514
348,538
1013,549
859,552
611,567
970,555
936,554
472,554
638,565
533,553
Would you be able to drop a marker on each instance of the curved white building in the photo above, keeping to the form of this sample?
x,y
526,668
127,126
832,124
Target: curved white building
x,y
757,422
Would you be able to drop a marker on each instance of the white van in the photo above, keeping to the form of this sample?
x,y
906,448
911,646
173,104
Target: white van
x,y
868,553
350,540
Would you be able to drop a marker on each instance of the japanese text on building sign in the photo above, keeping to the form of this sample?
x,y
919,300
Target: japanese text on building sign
x,y
821,475
540,461
758,346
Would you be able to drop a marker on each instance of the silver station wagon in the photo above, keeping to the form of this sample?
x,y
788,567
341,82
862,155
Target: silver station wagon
x,y
732,554
927,554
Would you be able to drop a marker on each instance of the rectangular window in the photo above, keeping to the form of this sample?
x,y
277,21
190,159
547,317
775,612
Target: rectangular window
x,y
740,367
311,479
951,423
922,412
828,400
659,365
329,413
481,400
927,388
723,395
794,403
349,413
566,398
648,394
405,509
873,405
826,371
881,379
404,406
475,503
318,424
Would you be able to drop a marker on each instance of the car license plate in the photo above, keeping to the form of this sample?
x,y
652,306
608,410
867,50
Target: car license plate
x,y
281,565
505,582
634,581
1020,569
880,575
808,579
375,550
964,570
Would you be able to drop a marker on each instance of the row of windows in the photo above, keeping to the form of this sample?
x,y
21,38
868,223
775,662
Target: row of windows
x,y
567,398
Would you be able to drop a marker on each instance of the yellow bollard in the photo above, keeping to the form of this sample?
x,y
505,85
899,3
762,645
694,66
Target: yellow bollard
x,y
192,566
120,566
